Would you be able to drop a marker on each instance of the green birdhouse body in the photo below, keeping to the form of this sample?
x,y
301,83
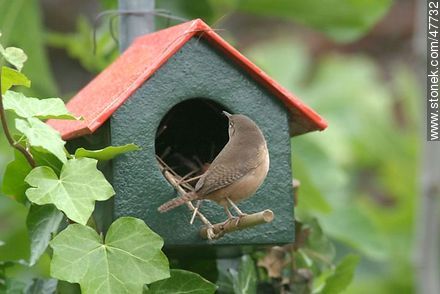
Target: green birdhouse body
x,y
171,106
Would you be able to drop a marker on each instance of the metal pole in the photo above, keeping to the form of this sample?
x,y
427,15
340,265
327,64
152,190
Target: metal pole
x,y
427,245
134,25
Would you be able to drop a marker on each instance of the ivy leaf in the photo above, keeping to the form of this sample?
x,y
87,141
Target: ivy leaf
x,y
14,56
19,168
129,257
22,25
15,286
342,276
107,153
42,136
13,232
360,232
13,179
182,282
12,77
318,246
43,286
67,288
42,222
47,159
80,184
224,278
245,280
27,107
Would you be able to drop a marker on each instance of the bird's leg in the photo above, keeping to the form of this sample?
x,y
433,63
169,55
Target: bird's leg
x,y
230,216
239,212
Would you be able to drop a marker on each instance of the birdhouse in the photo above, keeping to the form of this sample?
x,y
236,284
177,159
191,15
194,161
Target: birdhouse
x,y
166,93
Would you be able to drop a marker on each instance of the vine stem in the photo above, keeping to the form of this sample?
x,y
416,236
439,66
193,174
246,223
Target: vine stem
x,y
8,135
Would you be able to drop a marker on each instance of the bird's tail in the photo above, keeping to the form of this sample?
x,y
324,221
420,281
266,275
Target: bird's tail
x,y
173,203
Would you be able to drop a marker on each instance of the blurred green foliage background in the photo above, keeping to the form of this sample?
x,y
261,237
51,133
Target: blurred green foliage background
x,y
350,60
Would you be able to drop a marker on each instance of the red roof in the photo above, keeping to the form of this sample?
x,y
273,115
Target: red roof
x,y
98,100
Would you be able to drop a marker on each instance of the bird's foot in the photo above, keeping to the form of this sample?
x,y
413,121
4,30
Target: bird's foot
x,y
239,217
235,219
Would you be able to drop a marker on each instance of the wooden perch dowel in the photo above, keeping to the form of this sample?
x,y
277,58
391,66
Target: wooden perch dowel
x,y
247,221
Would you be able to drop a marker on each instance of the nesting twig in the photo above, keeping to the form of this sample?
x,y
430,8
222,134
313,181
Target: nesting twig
x,y
184,180
171,176
195,212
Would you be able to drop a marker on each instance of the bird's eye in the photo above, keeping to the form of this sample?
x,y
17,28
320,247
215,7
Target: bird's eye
x,y
231,124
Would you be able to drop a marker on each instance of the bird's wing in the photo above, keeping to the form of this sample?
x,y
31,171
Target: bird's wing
x,y
223,173
227,168
220,176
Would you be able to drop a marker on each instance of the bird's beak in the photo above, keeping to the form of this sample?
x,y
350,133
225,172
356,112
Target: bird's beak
x,y
227,114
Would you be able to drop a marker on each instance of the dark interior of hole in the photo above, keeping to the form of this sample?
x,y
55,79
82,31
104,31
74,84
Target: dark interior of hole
x,y
191,135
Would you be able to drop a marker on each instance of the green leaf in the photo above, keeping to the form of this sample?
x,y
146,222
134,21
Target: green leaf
x,y
284,60
68,288
107,153
27,107
43,286
16,286
79,45
42,222
21,24
318,245
33,277
109,4
182,282
47,159
310,197
42,136
342,20
13,179
16,171
14,56
245,280
13,232
342,276
12,77
351,226
188,9
224,278
80,184
129,257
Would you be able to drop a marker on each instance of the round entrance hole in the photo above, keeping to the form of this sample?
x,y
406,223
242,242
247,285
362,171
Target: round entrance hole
x,y
191,135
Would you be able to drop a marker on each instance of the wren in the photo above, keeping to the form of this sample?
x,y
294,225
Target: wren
x,y
236,173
